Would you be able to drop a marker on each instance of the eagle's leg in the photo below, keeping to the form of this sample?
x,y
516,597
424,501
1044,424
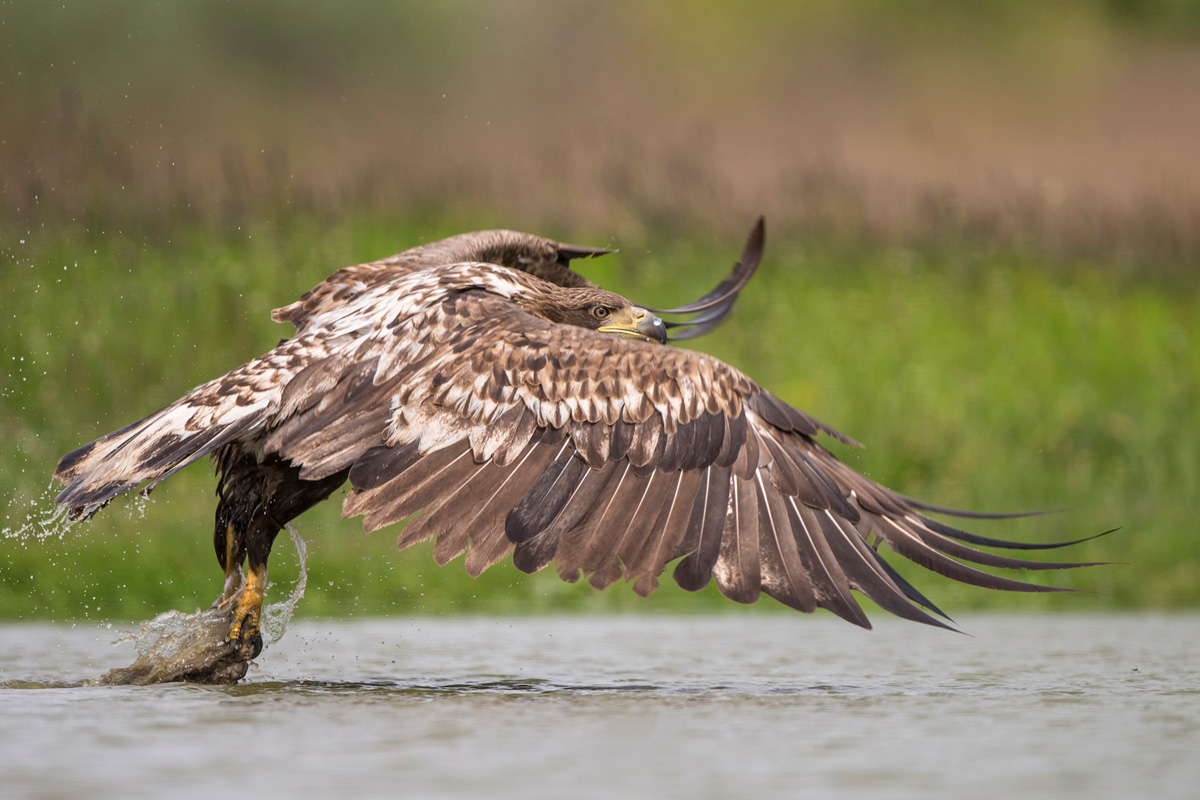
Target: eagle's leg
x,y
248,600
243,537
256,500
230,554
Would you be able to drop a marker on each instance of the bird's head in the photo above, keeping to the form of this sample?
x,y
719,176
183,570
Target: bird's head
x,y
601,311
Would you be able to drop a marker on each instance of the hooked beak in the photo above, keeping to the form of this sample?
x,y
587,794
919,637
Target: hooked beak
x,y
636,323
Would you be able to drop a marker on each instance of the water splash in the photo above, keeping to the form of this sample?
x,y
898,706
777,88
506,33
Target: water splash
x,y
175,646
277,615
43,517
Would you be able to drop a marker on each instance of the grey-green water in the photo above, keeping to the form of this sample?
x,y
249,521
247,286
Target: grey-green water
x,y
740,705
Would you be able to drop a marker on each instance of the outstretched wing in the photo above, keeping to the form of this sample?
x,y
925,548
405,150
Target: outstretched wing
x,y
611,458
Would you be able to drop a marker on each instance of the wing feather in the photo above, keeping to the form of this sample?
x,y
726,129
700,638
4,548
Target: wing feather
x,y
783,574
543,258
535,552
464,520
611,554
868,572
830,584
575,546
486,529
668,532
739,568
701,543
236,405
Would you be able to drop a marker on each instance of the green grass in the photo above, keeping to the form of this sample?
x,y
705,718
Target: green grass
x,y
984,381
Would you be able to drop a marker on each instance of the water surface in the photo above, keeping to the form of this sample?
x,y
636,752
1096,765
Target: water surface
x,y
740,705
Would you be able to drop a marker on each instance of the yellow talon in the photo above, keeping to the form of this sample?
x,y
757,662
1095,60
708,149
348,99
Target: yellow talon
x,y
248,611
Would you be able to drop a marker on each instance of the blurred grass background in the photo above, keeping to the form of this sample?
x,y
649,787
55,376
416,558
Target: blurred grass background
x,y
983,248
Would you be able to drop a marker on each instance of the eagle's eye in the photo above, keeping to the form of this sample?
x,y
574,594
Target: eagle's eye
x,y
601,312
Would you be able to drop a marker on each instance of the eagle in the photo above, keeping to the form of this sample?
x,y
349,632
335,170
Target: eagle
x,y
485,394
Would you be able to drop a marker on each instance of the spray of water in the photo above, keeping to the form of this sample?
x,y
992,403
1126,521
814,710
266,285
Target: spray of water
x,y
277,615
42,517
172,646
175,646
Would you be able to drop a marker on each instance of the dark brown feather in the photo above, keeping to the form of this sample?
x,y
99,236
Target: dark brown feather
x,y
830,584
545,501
667,533
739,569
784,576
914,549
486,529
443,519
411,489
867,571
535,553
701,543
575,545
678,447
609,553
647,442
830,493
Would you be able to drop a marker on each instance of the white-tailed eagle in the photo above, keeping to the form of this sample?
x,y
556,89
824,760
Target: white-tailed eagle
x,y
520,410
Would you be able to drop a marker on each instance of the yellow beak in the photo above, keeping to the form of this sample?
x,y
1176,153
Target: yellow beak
x,y
636,323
